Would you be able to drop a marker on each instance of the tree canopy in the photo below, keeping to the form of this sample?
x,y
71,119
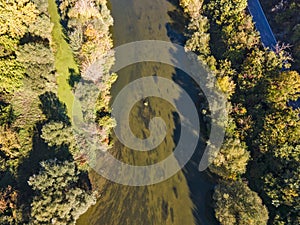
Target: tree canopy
x,y
237,204
58,198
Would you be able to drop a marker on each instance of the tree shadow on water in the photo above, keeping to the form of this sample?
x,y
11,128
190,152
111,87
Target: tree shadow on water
x,y
176,28
201,184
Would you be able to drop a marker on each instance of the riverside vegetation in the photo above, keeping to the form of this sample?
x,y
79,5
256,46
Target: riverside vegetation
x,y
43,172
258,164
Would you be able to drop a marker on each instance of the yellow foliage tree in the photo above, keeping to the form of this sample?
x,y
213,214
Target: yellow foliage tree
x,y
232,159
16,16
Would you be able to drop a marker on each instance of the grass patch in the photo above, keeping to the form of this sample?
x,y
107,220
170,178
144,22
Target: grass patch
x,y
64,59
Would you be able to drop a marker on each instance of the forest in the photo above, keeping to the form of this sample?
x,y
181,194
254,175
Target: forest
x,y
47,47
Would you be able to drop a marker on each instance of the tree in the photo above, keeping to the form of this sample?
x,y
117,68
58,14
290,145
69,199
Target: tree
x,y
225,75
191,7
198,40
283,88
53,108
58,134
11,74
235,27
42,27
7,45
232,159
58,199
237,204
16,16
6,114
279,128
38,60
26,108
227,12
281,183
35,54
9,214
9,143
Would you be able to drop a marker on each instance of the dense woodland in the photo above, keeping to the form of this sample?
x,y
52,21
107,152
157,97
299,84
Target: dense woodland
x,y
43,173
258,164
44,176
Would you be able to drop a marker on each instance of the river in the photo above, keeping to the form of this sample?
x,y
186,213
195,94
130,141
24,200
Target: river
x,y
183,198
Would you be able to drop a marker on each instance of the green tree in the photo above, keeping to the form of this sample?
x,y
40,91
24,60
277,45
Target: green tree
x,y
11,74
282,183
35,54
58,134
235,27
42,26
7,45
26,105
38,60
58,199
6,114
279,128
237,204
227,12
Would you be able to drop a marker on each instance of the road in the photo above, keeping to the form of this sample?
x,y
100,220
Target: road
x,y
261,23
267,37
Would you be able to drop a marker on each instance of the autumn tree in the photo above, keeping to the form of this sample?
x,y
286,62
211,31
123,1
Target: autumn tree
x,y
9,143
198,40
231,160
16,16
192,7
9,212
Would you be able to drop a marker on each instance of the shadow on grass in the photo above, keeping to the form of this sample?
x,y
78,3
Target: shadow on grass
x,y
74,77
53,109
